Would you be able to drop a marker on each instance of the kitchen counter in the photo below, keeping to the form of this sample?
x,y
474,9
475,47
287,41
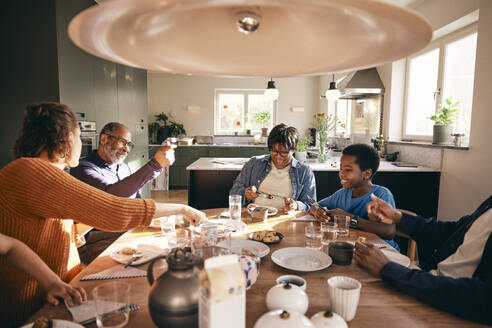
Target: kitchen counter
x,y
416,189
219,145
333,164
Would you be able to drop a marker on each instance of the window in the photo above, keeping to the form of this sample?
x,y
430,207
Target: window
x,y
445,69
235,110
342,109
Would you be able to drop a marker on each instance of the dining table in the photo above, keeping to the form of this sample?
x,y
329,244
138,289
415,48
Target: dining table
x,y
380,305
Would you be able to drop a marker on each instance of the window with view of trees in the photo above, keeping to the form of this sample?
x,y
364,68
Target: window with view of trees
x,y
445,69
235,111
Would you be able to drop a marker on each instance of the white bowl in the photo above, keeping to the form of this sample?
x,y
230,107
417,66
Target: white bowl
x,y
287,297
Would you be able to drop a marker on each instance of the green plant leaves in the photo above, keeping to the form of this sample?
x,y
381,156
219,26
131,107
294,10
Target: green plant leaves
x,y
447,113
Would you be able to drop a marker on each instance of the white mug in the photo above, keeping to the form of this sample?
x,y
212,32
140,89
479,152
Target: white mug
x,y
344,296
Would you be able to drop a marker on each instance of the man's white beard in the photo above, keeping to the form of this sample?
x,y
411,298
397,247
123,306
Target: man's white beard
x,y
112,154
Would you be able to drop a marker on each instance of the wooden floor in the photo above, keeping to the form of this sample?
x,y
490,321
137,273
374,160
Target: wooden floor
x,y
178,196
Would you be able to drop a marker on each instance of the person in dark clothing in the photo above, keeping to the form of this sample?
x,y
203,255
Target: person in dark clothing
x,y
455,258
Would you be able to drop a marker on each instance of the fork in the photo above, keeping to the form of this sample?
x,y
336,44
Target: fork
x,y
135,256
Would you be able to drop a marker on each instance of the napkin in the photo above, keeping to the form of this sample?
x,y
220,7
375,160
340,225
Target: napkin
x,y
85,313
118,271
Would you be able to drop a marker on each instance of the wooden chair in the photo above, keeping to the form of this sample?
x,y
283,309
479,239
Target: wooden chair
x,y
412,245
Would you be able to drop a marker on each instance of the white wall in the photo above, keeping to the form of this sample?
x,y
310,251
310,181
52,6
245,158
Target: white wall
x,y
466,178
173,93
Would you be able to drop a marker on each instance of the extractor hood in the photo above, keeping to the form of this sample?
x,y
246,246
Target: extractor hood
x,y
361,83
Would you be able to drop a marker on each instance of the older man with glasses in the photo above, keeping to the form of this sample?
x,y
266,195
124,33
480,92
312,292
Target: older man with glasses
x,y
105,169
278,179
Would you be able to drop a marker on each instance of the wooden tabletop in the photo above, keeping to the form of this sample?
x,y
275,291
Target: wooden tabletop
x,y
379,306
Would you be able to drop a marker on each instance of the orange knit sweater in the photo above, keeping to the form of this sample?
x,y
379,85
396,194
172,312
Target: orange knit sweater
x,y
38,202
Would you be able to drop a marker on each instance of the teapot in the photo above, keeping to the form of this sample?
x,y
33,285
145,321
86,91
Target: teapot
x,y
173,297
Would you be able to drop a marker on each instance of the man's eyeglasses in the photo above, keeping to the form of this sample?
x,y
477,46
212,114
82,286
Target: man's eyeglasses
x,y
122,142
280,153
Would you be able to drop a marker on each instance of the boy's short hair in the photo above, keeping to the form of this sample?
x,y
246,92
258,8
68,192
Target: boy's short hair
x,y
366,156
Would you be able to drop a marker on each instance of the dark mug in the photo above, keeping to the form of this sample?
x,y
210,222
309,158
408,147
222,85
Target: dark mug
x,y
341,252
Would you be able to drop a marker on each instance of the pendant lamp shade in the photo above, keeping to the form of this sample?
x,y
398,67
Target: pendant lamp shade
x,y
271,93
276,38
332,94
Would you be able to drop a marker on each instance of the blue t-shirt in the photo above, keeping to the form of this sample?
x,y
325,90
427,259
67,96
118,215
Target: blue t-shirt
x,y
342,199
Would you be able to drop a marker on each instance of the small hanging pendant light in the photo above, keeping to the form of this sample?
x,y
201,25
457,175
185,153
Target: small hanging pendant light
x,y
332,94
271,93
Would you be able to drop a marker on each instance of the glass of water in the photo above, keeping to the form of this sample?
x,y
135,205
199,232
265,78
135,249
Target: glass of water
x,y
328,232
168,224
313,236
178,238
112,301
235,207
343,222
209,234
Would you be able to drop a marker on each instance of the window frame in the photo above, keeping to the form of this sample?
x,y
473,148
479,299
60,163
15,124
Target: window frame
x,y
245,93
440,44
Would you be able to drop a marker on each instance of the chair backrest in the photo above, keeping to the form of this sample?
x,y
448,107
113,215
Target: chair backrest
x,y
412,245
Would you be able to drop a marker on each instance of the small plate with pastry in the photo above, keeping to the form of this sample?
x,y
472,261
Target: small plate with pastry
x,y
268,237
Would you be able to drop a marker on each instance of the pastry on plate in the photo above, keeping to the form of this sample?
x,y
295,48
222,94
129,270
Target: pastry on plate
x,y
259,235
128,251
42,322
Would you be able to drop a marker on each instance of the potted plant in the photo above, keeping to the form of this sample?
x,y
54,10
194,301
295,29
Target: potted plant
x,y
301,148
443,120
162,129
262,119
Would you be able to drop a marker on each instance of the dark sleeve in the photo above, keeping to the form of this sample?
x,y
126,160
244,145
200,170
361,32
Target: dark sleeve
x,y
123,188
466,297
308,189
427,231
242,181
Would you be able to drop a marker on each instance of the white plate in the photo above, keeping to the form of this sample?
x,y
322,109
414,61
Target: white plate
x,y
57,323
237,226
396,257
271,210
145,251
301,259
257,248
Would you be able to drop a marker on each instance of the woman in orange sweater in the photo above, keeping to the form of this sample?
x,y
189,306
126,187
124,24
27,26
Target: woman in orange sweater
x,y
39,202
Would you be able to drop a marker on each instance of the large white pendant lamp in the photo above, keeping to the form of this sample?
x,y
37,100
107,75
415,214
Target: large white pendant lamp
x,y
275,38
271,93
332,94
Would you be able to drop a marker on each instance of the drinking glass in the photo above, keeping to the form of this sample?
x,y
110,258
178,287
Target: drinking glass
x,y
224,236
209,233
328,232
313,236
168,224
343,222
235,207
178,238
112,301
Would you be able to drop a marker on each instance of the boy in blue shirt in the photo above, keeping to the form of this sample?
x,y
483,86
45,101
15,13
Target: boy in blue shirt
x,y
358,165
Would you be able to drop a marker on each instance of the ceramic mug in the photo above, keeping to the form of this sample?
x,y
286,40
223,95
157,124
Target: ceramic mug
x,y
344,296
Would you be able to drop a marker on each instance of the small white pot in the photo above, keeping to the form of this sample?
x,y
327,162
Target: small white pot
x,y
287,297
300,156
283,319
328,319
